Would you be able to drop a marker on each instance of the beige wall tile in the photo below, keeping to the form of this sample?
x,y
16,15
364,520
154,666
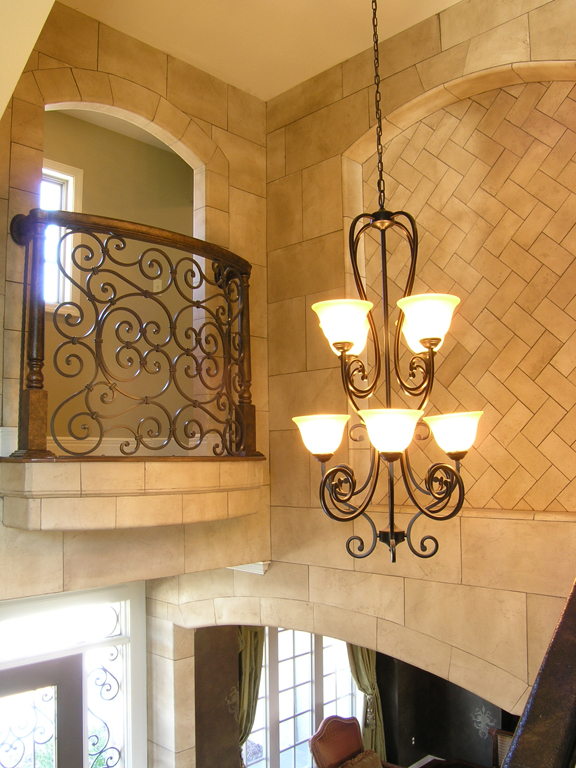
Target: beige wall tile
x,y
552,29
444,66
371,594
467,20
246,115
33,563
247,161
111,477
201,507
487,623
126,57
197,93
248,225
57,85
287,328
307,536
358,72
307,97
194,587
414,647
308,268
282,580
299,394
184,704
62,478
251,536
182,476
327,132
194,615
25,168
134,98
289,465
505,44
165,590
27,124
237,610
409,47
76,514
472,84
543,615
399,89
94,87
284,211
504,553
245,502
276,154
295,614
70,36
322,198
352,626
110,557
138,511
486,680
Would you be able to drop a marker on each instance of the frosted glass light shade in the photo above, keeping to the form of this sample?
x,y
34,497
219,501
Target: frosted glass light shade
x,y
344,321
322,433
427,316
390,429
455,432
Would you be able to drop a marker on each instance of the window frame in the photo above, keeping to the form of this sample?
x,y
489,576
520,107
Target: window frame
x,y
72,179
270,700
134,598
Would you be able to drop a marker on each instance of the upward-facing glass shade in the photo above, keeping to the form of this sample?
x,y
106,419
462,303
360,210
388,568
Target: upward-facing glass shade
x,y
455,432
390,429
344,321
322,433
427,316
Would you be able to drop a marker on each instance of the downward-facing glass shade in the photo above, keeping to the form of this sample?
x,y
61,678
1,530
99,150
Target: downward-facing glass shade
x,y
344,321
322,433
390,429
454,432
427,316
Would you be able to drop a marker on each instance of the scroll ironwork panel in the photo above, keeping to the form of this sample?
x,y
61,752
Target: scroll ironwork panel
x,y
149,346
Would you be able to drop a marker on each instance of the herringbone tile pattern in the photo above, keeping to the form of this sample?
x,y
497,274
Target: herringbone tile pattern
x,y
491,182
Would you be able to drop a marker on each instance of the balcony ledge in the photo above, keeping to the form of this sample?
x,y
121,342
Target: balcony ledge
x,y
67,494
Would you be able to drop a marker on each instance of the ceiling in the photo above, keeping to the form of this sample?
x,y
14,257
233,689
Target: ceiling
x,y
263,47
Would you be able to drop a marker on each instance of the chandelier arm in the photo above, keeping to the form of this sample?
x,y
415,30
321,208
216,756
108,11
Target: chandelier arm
x,y
424,541
448,479
408,473
360,541
332,489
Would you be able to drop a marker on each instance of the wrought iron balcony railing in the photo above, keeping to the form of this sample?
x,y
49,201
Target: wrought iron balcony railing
x,y
147,349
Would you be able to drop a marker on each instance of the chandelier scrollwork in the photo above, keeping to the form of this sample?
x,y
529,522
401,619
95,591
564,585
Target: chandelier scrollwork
x,y
423,321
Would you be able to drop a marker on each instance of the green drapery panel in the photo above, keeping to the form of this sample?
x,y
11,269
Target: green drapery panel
x,y
250,650
363,668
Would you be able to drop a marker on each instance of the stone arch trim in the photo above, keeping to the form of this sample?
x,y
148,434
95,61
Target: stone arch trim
x,y
407,644
456,90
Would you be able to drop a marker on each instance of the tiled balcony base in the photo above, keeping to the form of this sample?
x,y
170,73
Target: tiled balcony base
x,y
73,495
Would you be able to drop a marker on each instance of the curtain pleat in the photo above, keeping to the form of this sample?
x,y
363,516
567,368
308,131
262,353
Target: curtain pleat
x,y
363,668
250,650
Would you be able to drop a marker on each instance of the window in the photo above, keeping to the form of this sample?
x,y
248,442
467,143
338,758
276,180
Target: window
x,y
104,630
60,190
304,679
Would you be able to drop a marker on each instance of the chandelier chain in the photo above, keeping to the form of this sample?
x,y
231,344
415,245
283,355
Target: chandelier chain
x,y
377,98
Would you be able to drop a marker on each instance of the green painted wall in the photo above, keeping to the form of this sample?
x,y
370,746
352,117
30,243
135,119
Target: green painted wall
x,y
123,178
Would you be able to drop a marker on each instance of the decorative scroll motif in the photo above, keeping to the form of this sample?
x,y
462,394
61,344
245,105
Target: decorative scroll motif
x,y
148,349
27,722
105,708
483,720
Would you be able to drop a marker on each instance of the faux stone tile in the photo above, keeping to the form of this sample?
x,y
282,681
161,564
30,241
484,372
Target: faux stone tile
x,y
504,44
197,93
134,98
247,161
284,211
352,626
305,98
371,594
469,20
414,647
543,615
70,36
486,680
248,225
94,87
322,198
57,85
128,58
327,132
112,477
32,563
246,115
140,511
552,31
505,553
297,614
77,514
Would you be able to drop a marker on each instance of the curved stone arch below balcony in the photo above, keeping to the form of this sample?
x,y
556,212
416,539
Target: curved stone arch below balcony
x,y
234,597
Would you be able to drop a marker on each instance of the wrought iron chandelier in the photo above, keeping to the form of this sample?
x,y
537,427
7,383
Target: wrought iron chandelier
x,y
424,321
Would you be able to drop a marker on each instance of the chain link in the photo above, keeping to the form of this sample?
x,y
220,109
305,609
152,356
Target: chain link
x,y
381,185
